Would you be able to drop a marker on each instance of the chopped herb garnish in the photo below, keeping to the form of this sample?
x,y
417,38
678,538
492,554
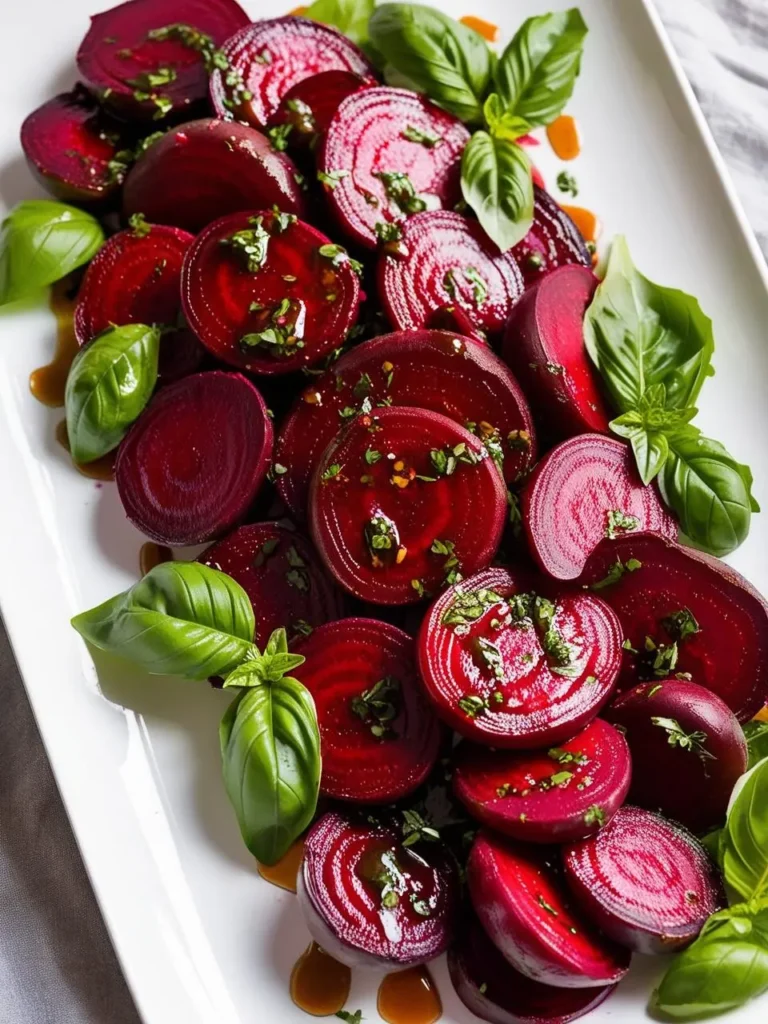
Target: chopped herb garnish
x,y
250,244
681,625
654,690
149,80
278,136
350,1018
379,706
490,656
337,254
400,190
594,815
472,705
546,906
418,586
298,578
388,231
470,606
139,225
382,538
303,117
331,178
416,827
267,548
616,571
300,627
363,387
372,456
444,462
421,907
479,287
566,756
414,134
567,183
678,737
657,660
619,521
331,472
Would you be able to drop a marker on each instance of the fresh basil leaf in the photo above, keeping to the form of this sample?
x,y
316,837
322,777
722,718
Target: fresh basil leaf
x,y
502,124
348,16
745,840
496,183
712,843
183,619
650,447
268,667
42,241
757,742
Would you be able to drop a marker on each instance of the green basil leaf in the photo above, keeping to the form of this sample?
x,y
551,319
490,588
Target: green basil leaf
x,y
502,124
537,71
496,183
109,383
270,666
650,447
757,742
712,843
348,16
745,840
183,619
42,241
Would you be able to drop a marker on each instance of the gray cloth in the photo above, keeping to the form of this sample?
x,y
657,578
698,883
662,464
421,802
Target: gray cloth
x,y
56,962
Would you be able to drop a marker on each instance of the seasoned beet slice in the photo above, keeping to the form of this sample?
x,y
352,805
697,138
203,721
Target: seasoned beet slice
x,y
293,302
585,489
425,369
453,318
687,747
145,78
376,137
206,169
500,680
370,901
546,796
645,882
379,738
553,241
192,463
523,903
402,500
180,355
309,106
729,652
272,56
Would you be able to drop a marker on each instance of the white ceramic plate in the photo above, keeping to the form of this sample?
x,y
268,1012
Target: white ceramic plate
x,y
201,938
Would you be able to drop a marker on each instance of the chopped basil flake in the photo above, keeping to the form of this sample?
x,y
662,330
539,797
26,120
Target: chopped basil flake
x,y
471,704
139,225
547,906
379,706
363,387
382,538
278,136
267,548
491,657
250,244
479,287
416,828
567,183
337,254
567,756
331,178
619,521
350,1018
681,625
331,472
372,456
146,81
594,815
470,606
677,737
616,571
388,231
414,134
400,190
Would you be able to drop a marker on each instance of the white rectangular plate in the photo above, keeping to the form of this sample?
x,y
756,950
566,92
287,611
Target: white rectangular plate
x,y
201,938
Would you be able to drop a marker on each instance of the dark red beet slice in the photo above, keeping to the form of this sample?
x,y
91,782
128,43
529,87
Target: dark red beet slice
x,y
552,242
453,318
645,881
193,461
728,654
293,303
309,106
426,369
379,737
180,355
688,750
585,489
206,169
546,796
523,903
272,56
499,679
403,500
141,77
369,901
376,137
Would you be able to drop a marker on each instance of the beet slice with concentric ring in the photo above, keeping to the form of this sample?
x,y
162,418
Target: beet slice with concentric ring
x,y
584,490
192,463
553,241
521,899
402,501
389,153
378,735
507,667
371,901
267,292
427,369
310,105
546,796
644,881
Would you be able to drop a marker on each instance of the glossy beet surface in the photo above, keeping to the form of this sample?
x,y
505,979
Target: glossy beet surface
x,y
379,736
477,642
370,901
552,242
388,536
550,795
585,489
193,461
728,653
309,107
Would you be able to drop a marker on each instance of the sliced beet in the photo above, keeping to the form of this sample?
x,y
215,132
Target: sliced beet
x,y
687,747
206,169
309,106
192,463
553,241
148,78
402,501
389,153
370,901
379,738
507,668
452,317
546,796
644,881
269,57
653,585
180,355
586,489
268,293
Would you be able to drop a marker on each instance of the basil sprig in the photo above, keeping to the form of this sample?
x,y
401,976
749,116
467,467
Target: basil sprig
x,y
496,183
348,16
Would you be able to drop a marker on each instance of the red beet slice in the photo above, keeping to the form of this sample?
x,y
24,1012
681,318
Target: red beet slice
x,y
688,750
553,241
272,56
585,489
274,312
310,105
426,369
396,505
141,77
180,355
546,796
544,345
377,137
370,901
728,654
192,463
645,881
379,737
500,680
206,169
523,903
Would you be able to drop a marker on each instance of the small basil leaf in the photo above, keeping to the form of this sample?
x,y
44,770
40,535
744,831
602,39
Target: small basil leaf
x,y
42,241
745,839
183,619
757,741
502,124
496,183
348,16
650,447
